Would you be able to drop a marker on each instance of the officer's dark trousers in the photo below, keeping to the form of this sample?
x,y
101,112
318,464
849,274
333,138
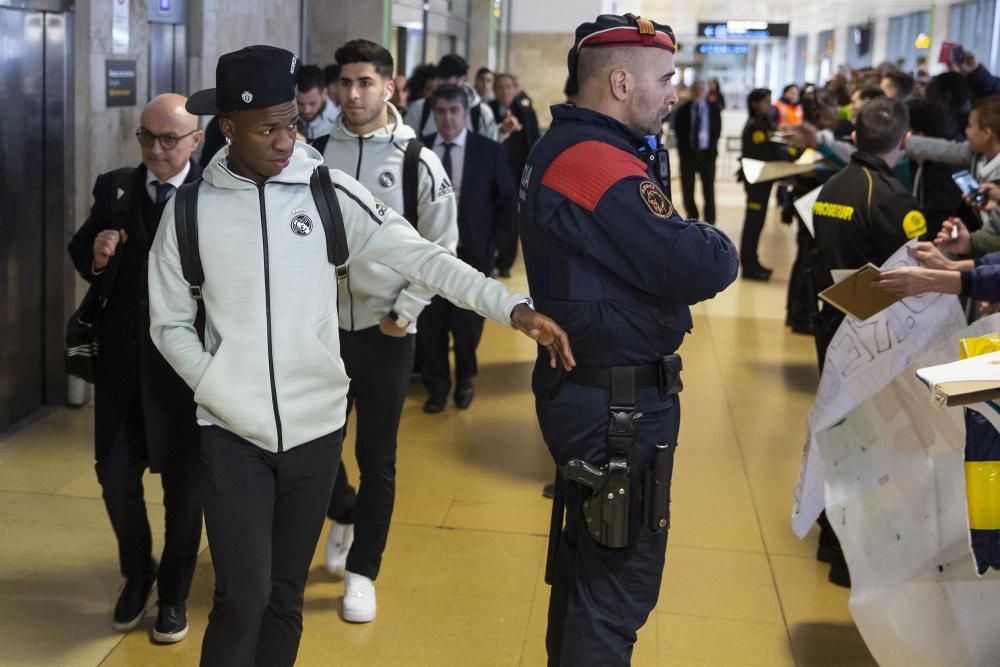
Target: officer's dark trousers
x,y
701,163
601,597
379,367
264,514
120,475
802,296
753,223
466,327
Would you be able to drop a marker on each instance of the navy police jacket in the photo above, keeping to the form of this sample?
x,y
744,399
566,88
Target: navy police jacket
x,y
607,256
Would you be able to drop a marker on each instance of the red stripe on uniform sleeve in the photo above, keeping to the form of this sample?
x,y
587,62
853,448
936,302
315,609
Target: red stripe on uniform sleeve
x,y
585,172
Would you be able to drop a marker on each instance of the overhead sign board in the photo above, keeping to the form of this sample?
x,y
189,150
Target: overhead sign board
x,y
724,49
742,30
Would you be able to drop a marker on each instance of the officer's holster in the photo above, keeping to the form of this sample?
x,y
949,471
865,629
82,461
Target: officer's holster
x,y
608,488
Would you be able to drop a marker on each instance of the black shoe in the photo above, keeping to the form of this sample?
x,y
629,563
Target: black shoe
x,y
434,405
463,397
549,490
171,623
132,602
756,273
503,273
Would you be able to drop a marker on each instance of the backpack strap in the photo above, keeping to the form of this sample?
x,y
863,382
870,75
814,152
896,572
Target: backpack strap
x,y
411,181
319,143
425,113
332,218
186,225
477,117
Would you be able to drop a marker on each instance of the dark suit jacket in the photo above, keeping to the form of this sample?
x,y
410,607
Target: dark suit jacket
x,y
519,144
128,361
486,203
682,129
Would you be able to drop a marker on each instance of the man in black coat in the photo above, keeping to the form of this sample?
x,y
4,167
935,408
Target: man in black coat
x,y
144,413
510,101
698,125
481,177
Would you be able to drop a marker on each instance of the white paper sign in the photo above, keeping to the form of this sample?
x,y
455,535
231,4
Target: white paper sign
x,y
804,205
895,495
861,360
119,26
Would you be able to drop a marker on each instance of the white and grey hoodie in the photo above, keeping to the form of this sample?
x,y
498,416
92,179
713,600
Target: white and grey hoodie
x,y
487,123
270,368
376,161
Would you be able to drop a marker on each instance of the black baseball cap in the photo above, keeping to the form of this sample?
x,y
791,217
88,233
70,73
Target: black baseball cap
x,y
255,77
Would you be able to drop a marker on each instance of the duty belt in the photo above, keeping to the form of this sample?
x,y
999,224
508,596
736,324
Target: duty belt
x,y
665,375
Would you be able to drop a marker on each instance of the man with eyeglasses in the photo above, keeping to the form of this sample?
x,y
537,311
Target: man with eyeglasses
x,y
144,413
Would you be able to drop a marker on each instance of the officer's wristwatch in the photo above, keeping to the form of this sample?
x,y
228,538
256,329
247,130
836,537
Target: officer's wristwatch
x,y
401,321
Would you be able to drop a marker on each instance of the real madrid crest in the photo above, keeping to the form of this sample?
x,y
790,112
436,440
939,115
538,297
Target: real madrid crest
x,y
302,224
655,200
386,179
247,97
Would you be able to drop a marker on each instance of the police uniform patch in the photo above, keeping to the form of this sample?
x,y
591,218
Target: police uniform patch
x,y
302,224
656,201
914,224
386,179
759,137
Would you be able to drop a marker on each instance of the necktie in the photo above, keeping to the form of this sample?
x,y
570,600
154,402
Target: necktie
x,y
446,160
163,191
696,126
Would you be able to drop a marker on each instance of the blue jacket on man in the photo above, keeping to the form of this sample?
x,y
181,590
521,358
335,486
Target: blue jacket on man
x,y
486,202
607,255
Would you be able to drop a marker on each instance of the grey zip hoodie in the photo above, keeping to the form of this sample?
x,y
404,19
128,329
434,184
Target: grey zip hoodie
x,y
376,161
270,368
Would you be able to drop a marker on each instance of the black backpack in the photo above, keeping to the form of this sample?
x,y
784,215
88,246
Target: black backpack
x,y
411,179
186,224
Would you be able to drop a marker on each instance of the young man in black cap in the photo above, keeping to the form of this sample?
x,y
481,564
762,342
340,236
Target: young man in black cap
x,y
269,382
605,249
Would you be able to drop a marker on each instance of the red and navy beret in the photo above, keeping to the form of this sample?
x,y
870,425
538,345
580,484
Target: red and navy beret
x,y
612,30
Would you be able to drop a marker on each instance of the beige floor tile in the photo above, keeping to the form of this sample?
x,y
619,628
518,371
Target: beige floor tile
x,y
502,517
720,584
723,641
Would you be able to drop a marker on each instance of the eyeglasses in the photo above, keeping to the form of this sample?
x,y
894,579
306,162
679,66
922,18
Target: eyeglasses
x,y
168,141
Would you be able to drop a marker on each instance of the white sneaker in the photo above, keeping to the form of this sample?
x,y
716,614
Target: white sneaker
x,y
359,598
338,544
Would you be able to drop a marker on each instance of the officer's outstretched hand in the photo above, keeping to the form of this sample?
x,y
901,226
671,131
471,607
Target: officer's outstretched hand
x,y
545,332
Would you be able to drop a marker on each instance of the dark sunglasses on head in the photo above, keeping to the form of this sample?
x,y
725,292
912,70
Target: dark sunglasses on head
x,y
168,141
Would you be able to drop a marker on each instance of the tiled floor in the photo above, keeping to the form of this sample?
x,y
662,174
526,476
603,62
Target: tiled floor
x,y
462,577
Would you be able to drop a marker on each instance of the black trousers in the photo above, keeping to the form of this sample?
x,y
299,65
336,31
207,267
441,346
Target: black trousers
x,y
264,514
701,163
120,474
753,223
379,367
601,597
438,320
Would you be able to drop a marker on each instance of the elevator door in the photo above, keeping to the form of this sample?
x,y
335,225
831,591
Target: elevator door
x,y
22,214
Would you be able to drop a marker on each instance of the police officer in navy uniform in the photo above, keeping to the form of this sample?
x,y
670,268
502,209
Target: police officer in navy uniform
x,y
607,254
